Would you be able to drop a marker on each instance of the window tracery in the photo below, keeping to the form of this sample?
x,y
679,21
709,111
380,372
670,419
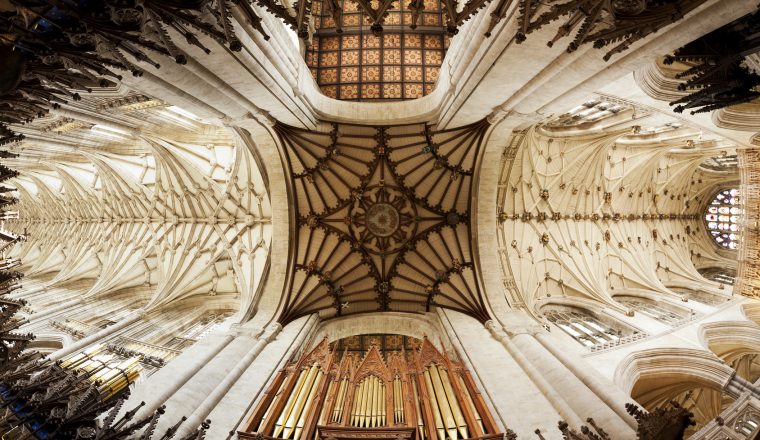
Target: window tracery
x,y
585,328
723,216
747,423
654,310
719,275
701,296
722,163
586,115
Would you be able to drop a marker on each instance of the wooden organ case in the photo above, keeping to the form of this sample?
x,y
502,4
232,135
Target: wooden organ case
x,y
333,393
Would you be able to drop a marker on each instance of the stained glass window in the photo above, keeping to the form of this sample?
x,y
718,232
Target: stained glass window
x,y
358,65
722,218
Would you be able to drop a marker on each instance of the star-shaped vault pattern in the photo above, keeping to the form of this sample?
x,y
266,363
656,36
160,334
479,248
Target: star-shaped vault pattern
x,y
383,219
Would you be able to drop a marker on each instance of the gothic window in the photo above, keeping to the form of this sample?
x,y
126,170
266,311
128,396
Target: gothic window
x,y
654,310
722,163
719,275
723,216
359,65
701,296
196,332
585,116
747,423
586,328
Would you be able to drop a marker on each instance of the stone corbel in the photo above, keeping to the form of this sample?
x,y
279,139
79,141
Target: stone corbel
x,y
271,332
501,112
261,116
241,330
519,323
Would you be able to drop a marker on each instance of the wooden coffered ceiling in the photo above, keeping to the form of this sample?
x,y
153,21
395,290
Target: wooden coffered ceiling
x,y
383,219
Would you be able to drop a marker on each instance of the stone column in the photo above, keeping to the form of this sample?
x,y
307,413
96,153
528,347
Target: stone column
x,y
165,382
556,400
213,398
607,391
737,386
578,396
99,336
239,397
516,400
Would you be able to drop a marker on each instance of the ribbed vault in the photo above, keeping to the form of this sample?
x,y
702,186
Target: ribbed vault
x,y
148,196
593,206
383,219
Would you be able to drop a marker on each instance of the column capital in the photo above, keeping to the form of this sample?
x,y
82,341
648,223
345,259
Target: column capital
x,y
271,331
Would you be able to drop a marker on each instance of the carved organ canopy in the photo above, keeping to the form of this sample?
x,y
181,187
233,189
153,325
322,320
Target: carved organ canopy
x,y
367,385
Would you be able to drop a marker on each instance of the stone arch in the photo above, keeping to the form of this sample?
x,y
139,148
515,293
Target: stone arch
x,y
417,326
751,311
737,343
694,378
699,366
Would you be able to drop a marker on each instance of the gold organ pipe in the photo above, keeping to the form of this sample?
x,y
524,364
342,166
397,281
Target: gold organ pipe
x,y
368,407
381,404
307,405
74,361
290,424
443,403
452,398
364,411
271,405
399,399
420,420
375,392
357,403
436,410
338,412
468,401
396,401
376,402
368,403
280,424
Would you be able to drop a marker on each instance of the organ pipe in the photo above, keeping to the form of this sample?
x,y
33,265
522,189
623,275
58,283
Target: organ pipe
x,y
420,418
437,416
328,389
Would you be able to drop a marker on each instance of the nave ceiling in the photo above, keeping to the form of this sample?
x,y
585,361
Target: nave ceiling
x,y
597,204
143,194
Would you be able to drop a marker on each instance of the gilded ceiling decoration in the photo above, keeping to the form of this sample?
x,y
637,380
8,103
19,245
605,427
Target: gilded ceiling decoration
x,y
383,219
350,62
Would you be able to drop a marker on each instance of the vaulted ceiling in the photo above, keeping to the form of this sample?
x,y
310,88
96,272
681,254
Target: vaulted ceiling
x,y
607,199
125,190
384,219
